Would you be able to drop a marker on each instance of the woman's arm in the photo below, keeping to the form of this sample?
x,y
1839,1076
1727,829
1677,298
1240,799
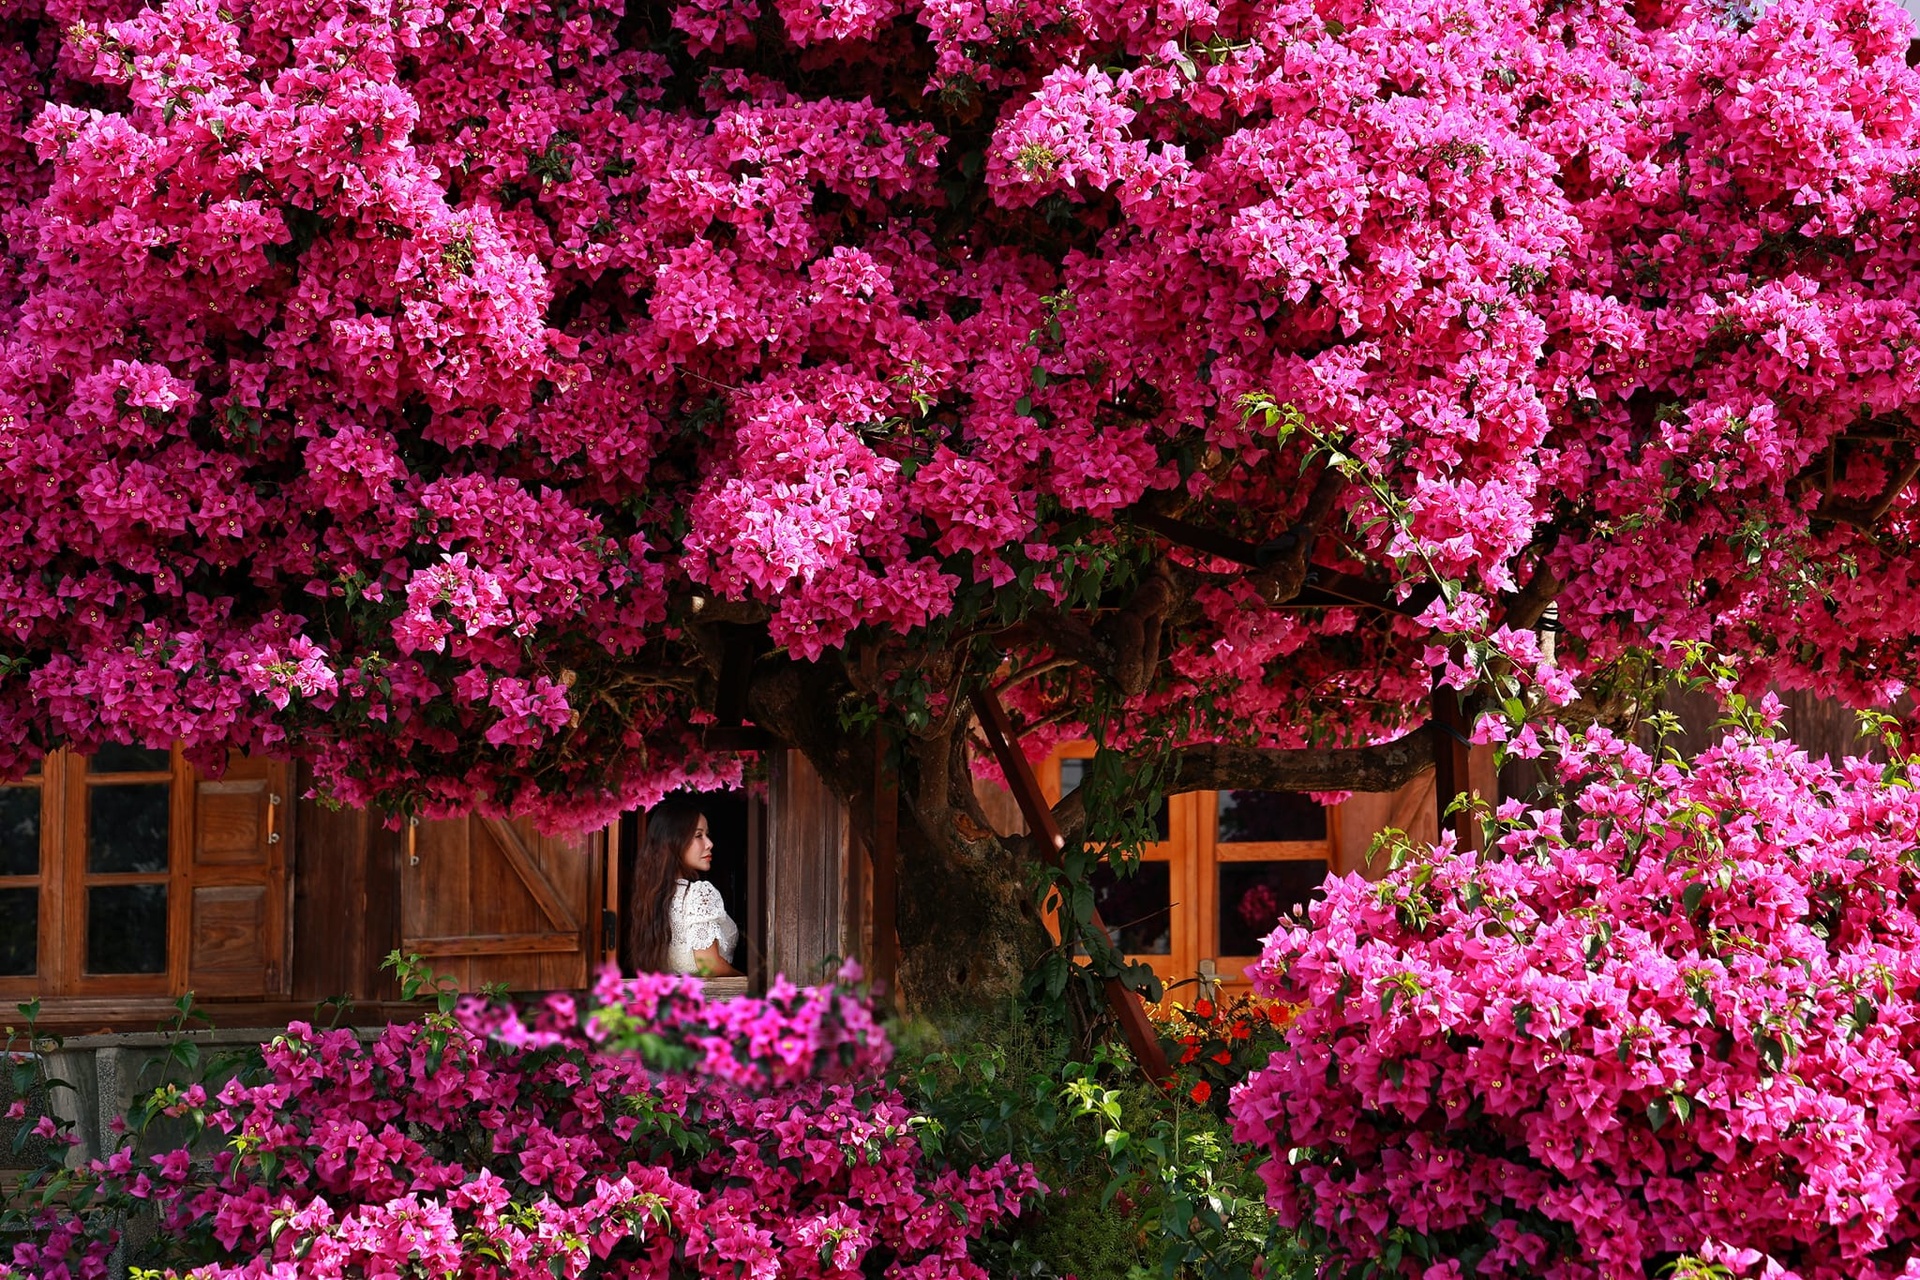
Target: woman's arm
x,y
708,963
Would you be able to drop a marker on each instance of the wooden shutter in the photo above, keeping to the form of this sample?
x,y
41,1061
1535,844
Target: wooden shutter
x,y
806,856
237,883
484,901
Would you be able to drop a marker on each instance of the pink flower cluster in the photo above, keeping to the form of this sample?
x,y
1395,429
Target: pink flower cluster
x,y
510,1144
468,343
1677,1015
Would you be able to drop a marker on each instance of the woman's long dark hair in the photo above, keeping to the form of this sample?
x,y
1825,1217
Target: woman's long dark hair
x,y
656,878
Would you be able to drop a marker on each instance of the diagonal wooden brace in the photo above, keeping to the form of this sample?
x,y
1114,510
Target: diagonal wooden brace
x,y
1125,1004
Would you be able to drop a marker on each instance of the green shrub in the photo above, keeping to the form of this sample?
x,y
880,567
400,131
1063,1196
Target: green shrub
x,y
1147,1183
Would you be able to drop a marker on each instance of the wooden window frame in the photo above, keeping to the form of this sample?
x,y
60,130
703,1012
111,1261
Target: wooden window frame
x,y
43,880
1183,817
1211,851
65,783
1196,852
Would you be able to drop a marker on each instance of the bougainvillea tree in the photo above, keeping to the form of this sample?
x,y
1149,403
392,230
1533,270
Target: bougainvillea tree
x,y
1676,1017
442,392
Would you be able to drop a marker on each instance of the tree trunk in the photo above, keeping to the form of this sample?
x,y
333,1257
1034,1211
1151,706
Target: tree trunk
x,y
968,928
968,931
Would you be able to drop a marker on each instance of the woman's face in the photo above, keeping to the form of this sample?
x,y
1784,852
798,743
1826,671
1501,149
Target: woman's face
x,y
698,856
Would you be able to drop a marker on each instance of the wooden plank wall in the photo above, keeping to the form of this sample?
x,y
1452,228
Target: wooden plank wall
x,y
807,844
346,900
1821,726
486,901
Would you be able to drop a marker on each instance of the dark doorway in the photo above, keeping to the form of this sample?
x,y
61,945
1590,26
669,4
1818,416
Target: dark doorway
x,y
729,825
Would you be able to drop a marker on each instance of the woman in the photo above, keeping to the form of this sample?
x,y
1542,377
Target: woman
x,y
678,924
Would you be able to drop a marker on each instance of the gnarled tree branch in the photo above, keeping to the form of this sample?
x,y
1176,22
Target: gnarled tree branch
x,y
1386,766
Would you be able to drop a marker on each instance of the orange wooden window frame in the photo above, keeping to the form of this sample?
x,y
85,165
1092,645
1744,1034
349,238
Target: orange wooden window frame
x,y
1194,852
65,783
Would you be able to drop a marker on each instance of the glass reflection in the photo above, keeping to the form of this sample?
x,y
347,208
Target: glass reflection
x,y
127,828
127,928
1250,817
1136,909
115,758
1255,896
19,831
19,932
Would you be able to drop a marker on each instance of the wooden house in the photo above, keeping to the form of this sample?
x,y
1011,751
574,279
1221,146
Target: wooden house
x,y
128,880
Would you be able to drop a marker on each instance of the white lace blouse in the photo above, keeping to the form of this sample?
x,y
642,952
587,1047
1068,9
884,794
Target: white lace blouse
x,y
700,920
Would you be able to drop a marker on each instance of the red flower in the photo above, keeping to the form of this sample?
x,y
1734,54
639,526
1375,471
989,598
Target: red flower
x,y
1204,1008
1241,1030
1193,1051
1201,1092
1223,1057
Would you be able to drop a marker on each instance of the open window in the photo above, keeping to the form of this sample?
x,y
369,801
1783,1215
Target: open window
x,y
734,819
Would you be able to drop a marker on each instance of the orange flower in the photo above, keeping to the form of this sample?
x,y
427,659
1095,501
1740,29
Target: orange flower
x,y
1201,1092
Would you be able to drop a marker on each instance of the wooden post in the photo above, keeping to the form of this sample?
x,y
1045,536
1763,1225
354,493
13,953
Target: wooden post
x,y
884,849
1125,1004
1450,763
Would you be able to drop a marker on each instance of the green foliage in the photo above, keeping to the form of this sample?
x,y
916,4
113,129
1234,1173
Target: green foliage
x,y
1147,1184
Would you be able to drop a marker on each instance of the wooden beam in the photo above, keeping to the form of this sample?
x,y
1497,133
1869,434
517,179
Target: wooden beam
x,y
1451,744
1125,1004
883,848
737,652
494,944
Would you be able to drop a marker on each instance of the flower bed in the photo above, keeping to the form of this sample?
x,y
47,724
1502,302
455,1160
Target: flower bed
x,y
652,1133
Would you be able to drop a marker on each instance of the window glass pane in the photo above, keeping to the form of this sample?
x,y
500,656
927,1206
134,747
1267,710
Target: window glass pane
x,y
1255,895
1136,909
127,828
127,928
1073,772
19,931
114,758
1247,817
19,831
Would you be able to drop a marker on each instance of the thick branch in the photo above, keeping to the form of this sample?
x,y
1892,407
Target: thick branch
x,y
1528,605
1387,766
1283,577
1123,648
1866,515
